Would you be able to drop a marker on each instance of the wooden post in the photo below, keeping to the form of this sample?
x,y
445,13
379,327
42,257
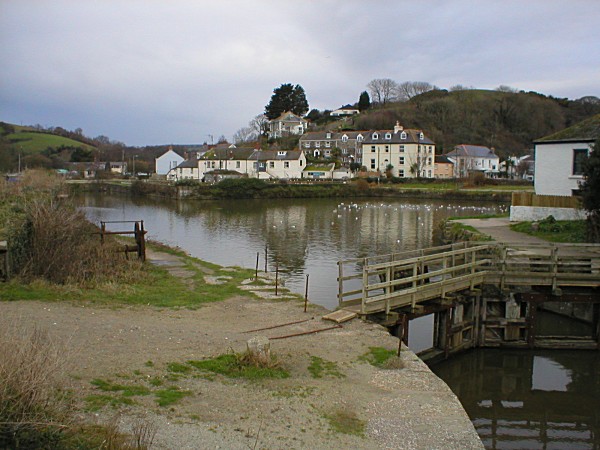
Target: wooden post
x,y
340,282
266,257
306,294
364,287
256,270
276,276
102,231
142,242
531,310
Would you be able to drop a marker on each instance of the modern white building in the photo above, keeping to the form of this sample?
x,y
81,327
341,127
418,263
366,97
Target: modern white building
x,y
559,158
167,161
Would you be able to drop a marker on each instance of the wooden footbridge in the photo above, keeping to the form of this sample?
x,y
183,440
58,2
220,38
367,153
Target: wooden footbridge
x,y
387,282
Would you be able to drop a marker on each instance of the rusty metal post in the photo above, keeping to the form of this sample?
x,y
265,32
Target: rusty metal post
x,y
306,294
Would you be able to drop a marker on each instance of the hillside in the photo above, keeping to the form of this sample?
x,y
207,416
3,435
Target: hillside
x,y
38,148
506,121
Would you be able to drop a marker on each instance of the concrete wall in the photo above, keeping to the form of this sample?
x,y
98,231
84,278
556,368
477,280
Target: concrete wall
x,y
531,213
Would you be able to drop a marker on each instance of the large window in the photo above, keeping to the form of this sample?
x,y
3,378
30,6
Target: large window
x,y
579,157
372,164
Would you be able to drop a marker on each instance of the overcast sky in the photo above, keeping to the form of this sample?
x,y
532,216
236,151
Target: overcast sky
x,y
158,72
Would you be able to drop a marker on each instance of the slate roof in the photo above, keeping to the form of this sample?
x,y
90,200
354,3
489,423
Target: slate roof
x,y
412,137
335,135
188,164
251,154
587,130
474,151
442,159
289,116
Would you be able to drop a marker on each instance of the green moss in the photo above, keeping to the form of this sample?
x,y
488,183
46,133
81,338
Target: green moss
x,y
378,356
346,422
320,368
233,365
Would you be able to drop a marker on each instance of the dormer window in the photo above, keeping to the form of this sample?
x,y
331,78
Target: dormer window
x,y
421,135
375,135
344,138
388,135
403,135
359,138
281,153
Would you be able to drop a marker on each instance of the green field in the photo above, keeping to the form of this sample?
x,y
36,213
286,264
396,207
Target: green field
x,y
32,143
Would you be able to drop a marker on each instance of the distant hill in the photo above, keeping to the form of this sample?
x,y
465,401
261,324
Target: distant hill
x,y
39,148
506,121
30,141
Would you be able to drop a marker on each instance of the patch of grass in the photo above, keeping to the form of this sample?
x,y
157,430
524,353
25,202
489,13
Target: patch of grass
x,y
233,365
170,395
320,368
126,390
549,229
378,357
346,422
178,368
156,381
98,401
149,363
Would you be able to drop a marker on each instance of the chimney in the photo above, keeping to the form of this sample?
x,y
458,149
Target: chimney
x,y
398,127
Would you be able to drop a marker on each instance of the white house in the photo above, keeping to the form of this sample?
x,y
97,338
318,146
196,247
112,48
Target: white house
x,y
344,111
472,159
286,124
167,161
406,153
187,170
263,164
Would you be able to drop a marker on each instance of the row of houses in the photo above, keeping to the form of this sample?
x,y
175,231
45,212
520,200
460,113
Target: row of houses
x,y
399,152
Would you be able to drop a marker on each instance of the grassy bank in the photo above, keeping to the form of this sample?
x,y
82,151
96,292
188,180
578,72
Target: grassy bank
x,y
549,229
256,189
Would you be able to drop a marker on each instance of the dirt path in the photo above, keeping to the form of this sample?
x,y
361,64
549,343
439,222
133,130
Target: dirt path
x,y
134,346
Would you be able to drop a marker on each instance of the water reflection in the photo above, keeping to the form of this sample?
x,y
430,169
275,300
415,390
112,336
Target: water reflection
x,y
529,399
303,236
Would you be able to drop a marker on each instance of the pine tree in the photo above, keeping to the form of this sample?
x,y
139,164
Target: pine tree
x,y
287,98
364,101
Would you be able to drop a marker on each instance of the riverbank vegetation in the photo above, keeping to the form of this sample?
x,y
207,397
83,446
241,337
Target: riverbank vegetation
x,y
552,230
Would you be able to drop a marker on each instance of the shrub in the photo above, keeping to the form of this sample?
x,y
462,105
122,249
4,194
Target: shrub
x,y
33,413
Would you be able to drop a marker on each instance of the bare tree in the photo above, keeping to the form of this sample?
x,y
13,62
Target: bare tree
x,y
259,124
244,134
409,89
382,90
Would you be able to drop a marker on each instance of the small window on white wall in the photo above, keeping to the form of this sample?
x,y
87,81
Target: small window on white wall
x,y
403,135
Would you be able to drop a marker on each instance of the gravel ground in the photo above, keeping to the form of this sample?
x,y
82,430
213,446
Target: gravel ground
x,y
407,407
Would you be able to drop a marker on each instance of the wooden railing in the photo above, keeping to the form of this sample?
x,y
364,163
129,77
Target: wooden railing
x,y
382,283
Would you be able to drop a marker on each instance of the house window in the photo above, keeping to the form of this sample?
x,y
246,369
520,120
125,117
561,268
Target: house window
x,y
327,144
344,151
401,172
301,162
372,149
375,136
344,138
307,144
402,149
237,164
421,136
387,148
286,164
372,164
272,164
317,144
388,135
401,160
579,157
359,138
254,165
403,135
328,135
